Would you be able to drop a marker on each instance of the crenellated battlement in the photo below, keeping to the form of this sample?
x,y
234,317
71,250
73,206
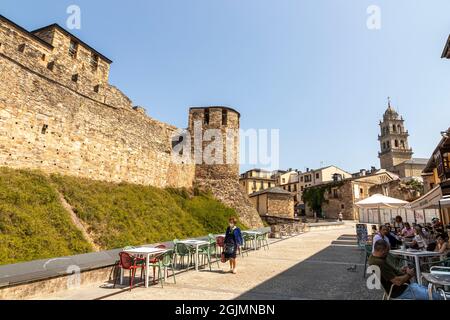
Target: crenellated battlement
x,y
60,56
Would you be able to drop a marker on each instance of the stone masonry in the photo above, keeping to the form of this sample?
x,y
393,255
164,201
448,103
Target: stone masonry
x,y
59,114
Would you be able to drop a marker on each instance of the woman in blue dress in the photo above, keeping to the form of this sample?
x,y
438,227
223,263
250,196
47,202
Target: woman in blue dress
x,y
232,243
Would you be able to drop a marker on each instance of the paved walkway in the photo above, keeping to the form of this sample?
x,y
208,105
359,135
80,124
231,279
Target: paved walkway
x,y
313,265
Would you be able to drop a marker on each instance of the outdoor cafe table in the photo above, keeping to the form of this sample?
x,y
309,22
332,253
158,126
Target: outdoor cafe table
x,y
196,244
254,234
436,279
417,255
147,252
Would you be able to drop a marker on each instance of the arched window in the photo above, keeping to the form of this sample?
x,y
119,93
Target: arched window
x,y
396,143
394,128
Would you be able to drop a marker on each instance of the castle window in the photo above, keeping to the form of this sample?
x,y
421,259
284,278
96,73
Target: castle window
x,y
384,145
75,77
97,88
394,128
224,117
396,143
73,49
43,57
94,62
402,143
399,128
44,129
206,118
388,144
22,48
51,65
342,206
335,193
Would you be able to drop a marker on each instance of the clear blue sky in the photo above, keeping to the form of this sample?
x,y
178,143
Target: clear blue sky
x,y
309,68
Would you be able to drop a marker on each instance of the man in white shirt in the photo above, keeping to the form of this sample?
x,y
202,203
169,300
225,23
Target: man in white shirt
x,y
381,235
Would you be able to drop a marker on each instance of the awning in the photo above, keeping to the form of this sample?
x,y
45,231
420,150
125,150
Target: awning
x,y
429,200
445,202
381,201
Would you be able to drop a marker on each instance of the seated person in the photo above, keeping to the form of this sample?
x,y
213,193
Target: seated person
x,y
394,240
442,246
407,231
420,241
381,235
391,277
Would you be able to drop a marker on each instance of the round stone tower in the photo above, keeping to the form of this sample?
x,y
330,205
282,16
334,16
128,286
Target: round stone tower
x,y
215,142
215,150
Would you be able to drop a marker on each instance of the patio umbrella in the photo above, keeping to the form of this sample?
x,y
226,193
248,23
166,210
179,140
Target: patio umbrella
x,y
378,201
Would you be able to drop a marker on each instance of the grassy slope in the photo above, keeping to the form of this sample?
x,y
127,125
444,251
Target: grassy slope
x,y
33,224
125,214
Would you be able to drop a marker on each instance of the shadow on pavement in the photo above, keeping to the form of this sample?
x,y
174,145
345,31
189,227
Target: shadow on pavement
x,y
336,272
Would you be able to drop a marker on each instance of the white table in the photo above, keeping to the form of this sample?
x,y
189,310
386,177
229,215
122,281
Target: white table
x,y
147,252
434,280
254,234
417,255
197,244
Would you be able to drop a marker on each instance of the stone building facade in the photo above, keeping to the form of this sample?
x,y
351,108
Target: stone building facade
x,y
274,202
341,196
59,114
256,180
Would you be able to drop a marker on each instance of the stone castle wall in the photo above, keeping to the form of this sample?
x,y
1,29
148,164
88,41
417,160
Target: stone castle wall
x,y
88,128
51,123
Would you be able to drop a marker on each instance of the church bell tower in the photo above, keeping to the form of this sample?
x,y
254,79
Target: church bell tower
x,y
394,144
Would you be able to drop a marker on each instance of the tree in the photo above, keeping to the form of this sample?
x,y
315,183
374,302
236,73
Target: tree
x,y
314,198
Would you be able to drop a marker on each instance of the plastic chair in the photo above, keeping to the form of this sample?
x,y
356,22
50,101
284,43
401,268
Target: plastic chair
x,y
387,295
247,238
182,251
220,242
163,262
207,252
155,260
262,240
368,252
128,262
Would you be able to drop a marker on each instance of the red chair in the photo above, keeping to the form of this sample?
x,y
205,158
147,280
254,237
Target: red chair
x,y
220,242
128,262
155,260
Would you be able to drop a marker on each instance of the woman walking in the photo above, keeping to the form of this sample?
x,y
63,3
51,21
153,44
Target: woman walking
x,y
232,243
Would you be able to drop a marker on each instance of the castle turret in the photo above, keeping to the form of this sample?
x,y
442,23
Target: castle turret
x,y
215,142
215,149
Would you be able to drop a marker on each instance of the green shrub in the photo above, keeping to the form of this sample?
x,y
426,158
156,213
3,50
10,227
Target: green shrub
x,y
35,225
124,214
